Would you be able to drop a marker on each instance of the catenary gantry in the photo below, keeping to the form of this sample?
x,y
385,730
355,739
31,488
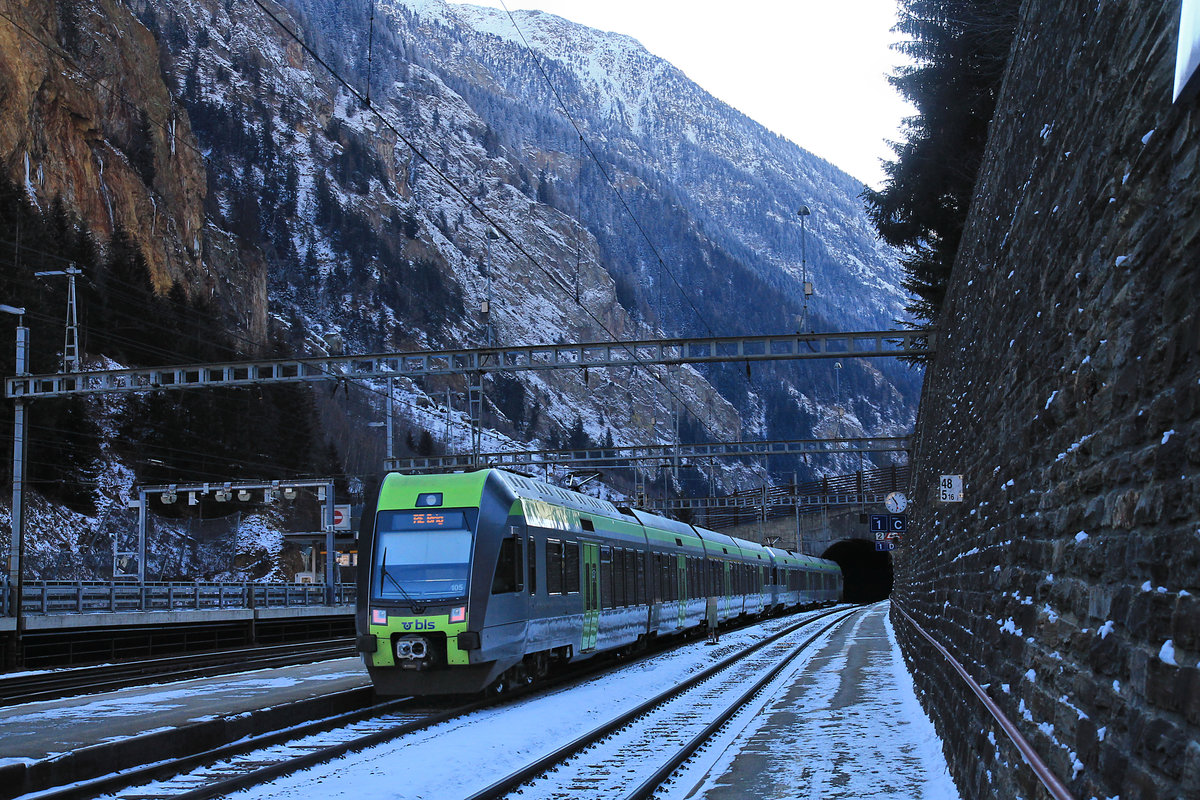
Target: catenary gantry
x,y
673,453
863,344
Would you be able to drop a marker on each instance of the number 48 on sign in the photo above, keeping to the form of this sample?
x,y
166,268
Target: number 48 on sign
x,y
950,489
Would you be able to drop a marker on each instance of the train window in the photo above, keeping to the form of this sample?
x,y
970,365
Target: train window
x,y
613,580
508,567
587,524
532,566
630,577
655,589
571,567
640,585
618,577
554,566
606,578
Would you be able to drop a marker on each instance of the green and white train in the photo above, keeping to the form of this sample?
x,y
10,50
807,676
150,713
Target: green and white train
x,y
486,579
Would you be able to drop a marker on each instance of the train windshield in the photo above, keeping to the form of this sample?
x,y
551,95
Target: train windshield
x,y
421,555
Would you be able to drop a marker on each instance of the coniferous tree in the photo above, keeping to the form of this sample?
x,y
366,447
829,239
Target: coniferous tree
x,y
960,50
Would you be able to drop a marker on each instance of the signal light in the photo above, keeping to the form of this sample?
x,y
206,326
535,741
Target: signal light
x,y
167,498
222,496
243,495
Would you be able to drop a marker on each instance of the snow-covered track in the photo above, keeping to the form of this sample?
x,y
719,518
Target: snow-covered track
x,y
632,755
55,684
258,759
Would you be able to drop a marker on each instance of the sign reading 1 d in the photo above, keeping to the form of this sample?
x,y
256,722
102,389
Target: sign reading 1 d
x,y
950,489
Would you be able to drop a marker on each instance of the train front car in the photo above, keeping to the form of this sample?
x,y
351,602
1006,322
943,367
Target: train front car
x,y
429,554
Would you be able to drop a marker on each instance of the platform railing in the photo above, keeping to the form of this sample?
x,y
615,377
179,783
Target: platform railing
x,y
97,597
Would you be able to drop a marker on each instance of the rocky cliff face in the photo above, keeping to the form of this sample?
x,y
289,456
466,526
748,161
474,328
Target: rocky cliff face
x,y
87,119
247,173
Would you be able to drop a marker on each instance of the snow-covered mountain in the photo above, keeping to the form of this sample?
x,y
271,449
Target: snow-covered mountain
x,y
256,183
743,183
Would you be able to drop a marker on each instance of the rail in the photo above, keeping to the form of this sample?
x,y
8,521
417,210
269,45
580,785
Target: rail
x,y
1052,783
91,597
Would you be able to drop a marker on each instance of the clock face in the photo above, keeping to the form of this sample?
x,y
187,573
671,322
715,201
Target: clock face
x,y
896,502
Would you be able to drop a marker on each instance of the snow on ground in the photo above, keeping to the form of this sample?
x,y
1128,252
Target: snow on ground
x,y
884,731
44,729
851,728
462,756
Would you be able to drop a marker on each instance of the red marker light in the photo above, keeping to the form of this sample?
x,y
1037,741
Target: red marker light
x,y
459,614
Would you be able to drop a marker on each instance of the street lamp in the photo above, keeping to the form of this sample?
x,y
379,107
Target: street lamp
x,y
16,545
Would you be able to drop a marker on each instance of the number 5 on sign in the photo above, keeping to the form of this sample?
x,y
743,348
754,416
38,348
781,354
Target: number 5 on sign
x,y
950,489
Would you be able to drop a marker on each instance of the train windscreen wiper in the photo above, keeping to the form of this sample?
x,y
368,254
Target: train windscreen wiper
x,y
383,573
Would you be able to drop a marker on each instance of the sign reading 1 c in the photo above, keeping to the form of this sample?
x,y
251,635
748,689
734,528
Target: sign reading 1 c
x,y
896,502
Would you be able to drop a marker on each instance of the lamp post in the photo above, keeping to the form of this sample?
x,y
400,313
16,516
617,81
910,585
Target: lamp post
x,y
803,213
387,424
16,545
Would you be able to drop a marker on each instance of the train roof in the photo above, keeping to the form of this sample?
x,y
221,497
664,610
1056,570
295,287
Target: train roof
x,y
713,541
529,487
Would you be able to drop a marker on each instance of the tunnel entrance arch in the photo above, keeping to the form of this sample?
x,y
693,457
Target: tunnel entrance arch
x,y
866,573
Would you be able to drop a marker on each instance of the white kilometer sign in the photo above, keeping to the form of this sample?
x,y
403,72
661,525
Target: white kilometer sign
x,y
950,489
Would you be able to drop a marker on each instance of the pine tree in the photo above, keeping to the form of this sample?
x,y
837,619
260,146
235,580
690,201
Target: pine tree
x,y
960,49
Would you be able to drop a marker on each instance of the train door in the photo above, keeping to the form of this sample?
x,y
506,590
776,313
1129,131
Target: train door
x,y
591,595
681,567
726,586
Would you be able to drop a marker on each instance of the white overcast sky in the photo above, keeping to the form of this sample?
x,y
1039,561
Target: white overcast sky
x,y
814,71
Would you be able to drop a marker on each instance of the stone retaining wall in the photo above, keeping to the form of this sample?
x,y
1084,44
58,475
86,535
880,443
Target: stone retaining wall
x,y
1065,390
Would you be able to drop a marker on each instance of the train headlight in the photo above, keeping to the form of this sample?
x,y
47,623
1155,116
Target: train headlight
x,y
412,648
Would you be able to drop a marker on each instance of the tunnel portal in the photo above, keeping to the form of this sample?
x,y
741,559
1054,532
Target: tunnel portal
x,y
866,573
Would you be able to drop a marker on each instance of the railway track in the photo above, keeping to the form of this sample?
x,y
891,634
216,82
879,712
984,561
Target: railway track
x,y
258,759
633,755
55,684
266,758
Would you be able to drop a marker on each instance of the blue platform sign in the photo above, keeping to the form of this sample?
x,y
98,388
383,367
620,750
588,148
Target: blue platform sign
x,y
883,547
898,523
879,523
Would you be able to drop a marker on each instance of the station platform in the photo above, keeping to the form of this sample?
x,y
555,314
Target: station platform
x,y
127,619
846,727
42,730
58,742
97,637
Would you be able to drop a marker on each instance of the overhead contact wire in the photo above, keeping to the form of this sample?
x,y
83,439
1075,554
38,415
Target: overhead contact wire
x,y
554,279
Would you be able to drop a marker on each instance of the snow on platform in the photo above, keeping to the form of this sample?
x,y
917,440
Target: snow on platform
x,y
846,726
40,730
850,728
